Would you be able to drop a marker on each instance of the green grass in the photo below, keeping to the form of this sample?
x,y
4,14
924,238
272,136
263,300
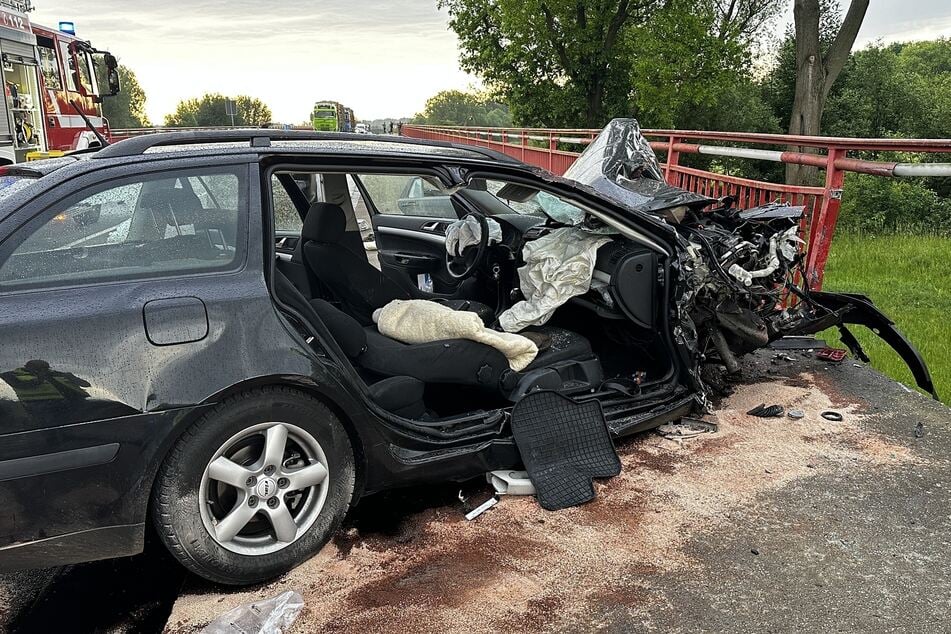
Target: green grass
x,y
909,279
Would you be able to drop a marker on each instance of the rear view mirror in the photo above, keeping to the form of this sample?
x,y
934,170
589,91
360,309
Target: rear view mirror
x,y
113,74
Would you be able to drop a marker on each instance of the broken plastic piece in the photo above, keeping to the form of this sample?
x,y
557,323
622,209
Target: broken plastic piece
x,y
482,508
687,428
511,482
271,616
835,355
762,411
835,417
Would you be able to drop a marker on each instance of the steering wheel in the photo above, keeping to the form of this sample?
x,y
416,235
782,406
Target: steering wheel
x,y
462,266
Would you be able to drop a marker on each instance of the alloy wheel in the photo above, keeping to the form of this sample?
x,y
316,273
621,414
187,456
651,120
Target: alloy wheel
x,y
264,488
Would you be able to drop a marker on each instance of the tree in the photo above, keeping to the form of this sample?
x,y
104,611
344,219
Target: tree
x,y
211,110
454,107
817,70
744,19
681,67
557,62
571,63
127,109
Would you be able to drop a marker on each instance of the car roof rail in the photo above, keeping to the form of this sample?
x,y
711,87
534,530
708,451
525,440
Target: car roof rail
x,y
262,137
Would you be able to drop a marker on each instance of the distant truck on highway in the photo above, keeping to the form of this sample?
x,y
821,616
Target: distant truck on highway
x,y
332,116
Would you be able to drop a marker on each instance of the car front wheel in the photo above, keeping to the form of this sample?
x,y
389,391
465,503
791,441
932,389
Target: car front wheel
x,y
255,487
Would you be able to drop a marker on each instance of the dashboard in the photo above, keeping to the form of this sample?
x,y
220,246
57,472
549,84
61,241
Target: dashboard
x,y
625,280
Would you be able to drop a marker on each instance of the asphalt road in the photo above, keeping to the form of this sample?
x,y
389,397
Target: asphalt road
x,y
768,525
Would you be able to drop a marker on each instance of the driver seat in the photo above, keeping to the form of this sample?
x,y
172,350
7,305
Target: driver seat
x,y
360,287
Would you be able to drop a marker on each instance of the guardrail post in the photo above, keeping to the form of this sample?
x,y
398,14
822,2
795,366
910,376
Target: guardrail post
x,y
823,221
552,146
524,140
673,159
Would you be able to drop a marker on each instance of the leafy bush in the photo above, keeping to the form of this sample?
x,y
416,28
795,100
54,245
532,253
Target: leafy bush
x,y
871,204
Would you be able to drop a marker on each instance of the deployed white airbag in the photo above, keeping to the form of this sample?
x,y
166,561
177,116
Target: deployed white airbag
x,y
468,233
558,266
423,321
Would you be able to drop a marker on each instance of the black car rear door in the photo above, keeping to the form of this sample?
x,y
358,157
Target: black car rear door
x,y
99,309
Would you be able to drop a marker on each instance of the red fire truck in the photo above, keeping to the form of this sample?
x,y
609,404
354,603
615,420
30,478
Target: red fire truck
x,y
51,87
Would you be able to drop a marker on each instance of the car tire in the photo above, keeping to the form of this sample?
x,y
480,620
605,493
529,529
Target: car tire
x,y
191,499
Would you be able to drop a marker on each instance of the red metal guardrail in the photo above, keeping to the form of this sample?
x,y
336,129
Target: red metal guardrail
x,y
541,147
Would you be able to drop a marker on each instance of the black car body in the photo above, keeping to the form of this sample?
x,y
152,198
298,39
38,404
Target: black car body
x,y
112,348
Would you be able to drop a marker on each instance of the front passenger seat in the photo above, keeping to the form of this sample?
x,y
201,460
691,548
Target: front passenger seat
x,y
359,286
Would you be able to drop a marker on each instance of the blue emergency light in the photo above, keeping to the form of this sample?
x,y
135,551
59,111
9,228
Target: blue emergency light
x,y
68,27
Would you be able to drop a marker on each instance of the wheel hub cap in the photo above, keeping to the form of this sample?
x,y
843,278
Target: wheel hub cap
x,y
266,488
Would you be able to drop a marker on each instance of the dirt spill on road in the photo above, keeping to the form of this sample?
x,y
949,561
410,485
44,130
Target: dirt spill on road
x,y
520,568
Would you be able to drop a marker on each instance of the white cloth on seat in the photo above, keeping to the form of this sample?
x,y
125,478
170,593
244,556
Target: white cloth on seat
x,y
558,266
423,321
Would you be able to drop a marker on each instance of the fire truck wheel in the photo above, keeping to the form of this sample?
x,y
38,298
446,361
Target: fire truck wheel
x,y
255,487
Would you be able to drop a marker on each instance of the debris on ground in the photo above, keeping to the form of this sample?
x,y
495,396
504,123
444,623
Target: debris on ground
x,y
767,411
796,414
271,616
832,355
565,445
510,482
833,416
687,427
919,430
482,508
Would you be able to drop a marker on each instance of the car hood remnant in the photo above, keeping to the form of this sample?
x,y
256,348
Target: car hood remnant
x,y
621,165
740,270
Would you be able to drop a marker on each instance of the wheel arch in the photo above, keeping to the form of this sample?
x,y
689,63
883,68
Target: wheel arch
x,y
303,384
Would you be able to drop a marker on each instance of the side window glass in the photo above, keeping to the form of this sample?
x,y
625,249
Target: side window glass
x,y
137,228
286,217
50,68
407,196
70,66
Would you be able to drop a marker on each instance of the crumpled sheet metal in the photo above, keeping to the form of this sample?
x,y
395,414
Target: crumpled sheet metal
x,y
621,165
558,266
467,232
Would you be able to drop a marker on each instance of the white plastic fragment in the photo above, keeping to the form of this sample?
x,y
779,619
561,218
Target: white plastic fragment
x,y
271,616
511,482
482,508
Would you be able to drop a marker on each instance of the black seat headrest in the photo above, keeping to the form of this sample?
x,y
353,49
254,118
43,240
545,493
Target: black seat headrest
x,y
174,206
325,222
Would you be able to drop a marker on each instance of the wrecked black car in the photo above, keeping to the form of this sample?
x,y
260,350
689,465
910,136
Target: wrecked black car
x,y
258,328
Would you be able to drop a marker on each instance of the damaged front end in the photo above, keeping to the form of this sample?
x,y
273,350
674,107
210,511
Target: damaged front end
x,y
741,271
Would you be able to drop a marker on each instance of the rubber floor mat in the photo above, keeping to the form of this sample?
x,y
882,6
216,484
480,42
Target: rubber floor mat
x,y
564,444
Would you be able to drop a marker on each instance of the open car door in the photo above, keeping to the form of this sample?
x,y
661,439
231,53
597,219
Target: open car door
x,y
410,216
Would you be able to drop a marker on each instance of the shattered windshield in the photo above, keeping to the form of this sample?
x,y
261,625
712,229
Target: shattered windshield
x,y
621,165
529,201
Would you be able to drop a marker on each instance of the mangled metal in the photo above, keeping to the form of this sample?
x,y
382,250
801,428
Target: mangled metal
x,y
742,282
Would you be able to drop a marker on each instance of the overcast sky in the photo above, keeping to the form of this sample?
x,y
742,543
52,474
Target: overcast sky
x,y
383,59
